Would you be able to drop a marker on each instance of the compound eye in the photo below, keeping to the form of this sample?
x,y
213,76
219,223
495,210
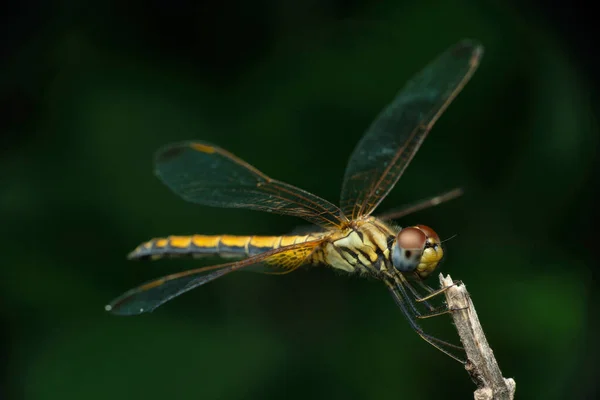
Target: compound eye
x,y
408,250
429,232
412,238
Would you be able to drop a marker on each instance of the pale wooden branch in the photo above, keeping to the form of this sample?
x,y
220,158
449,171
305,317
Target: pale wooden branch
x,y
481,363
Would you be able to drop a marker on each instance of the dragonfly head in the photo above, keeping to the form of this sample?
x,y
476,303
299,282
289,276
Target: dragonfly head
x,y
417,249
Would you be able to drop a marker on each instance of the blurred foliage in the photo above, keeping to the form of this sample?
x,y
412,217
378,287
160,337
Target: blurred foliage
x,y
91,90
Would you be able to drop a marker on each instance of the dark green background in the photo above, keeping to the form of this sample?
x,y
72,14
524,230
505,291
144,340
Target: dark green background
x,y
91,90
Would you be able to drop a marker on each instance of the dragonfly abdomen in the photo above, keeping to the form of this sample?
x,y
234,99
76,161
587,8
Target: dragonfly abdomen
x,y
215,245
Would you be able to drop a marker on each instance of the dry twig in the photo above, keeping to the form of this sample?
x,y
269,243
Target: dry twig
x,y
481,363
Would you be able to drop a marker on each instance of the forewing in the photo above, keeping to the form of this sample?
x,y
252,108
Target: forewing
x,y
394,137
421,205
150,295
206,174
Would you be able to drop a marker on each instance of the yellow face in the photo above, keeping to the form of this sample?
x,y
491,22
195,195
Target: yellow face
x,y
417,249
431,257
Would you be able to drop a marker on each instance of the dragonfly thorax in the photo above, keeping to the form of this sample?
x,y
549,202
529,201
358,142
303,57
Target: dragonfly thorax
x,y
362,247
417,249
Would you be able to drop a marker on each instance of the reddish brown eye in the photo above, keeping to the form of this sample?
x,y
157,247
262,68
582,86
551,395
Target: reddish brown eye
x,y
412,239
417,250
429,232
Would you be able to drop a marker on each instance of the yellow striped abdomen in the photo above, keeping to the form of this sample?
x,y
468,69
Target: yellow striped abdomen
x,y
217,245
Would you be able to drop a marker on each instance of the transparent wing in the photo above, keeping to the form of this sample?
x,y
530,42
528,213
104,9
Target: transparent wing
x,y
394,137
205,174
150,295
421,205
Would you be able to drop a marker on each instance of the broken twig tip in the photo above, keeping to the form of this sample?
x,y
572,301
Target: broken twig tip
x,y
481,363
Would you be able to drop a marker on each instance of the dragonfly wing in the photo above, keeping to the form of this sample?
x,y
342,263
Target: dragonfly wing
x,y
394,137
152,294
421,205
206,174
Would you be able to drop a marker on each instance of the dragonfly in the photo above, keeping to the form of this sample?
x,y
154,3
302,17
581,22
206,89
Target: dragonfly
x,y
346,237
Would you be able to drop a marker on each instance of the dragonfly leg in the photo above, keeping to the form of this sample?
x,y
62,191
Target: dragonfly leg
x,y
432,292
425,286
439,344
401,283
437,311
417,296
400,287
433,311
440,310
